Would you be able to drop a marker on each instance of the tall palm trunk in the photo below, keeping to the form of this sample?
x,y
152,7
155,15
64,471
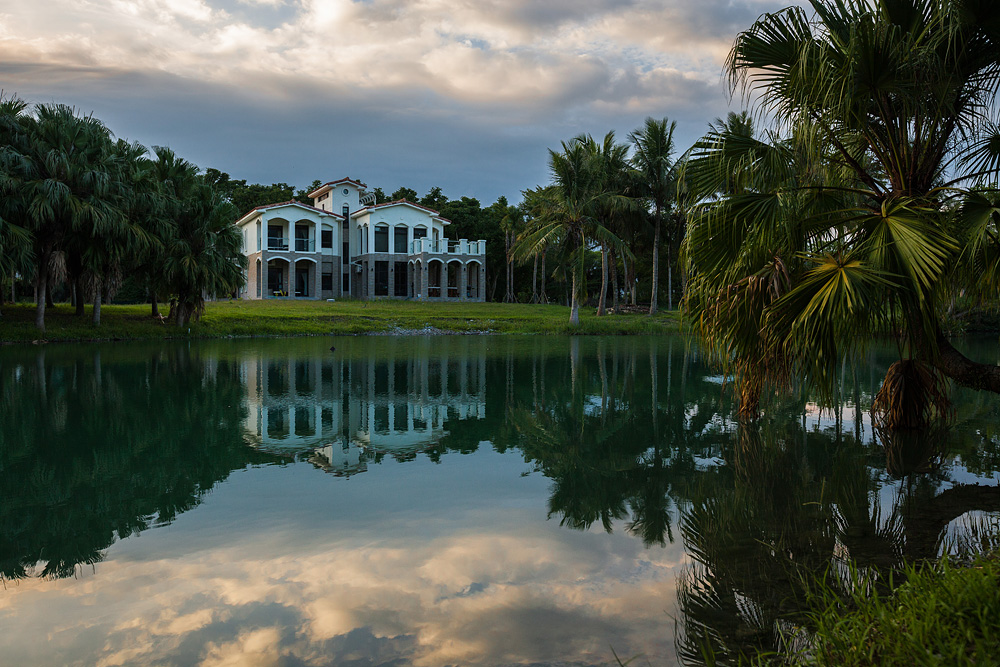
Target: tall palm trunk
x,y
97,304
534,280
656,263
604,282
670,281
574,310
614,281
544,298
41,286
154,303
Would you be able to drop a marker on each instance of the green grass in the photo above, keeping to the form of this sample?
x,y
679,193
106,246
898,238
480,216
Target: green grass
x,y
309,318
943,615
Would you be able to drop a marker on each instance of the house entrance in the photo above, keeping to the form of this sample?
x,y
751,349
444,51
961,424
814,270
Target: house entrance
x,y
301,281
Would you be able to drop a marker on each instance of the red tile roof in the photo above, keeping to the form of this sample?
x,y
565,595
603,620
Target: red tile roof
x,y
401,201
294,202
359,184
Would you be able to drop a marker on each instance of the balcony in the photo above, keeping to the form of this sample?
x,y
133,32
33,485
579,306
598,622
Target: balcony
x,y
447,247
305,245
277,243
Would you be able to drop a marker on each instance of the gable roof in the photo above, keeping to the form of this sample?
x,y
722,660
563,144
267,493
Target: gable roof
x,y
357,184
399,202
292,202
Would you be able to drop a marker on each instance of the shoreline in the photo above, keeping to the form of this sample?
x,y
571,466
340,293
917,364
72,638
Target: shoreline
x,y
284,319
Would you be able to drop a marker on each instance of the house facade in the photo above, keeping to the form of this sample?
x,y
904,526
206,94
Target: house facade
x,y
346,245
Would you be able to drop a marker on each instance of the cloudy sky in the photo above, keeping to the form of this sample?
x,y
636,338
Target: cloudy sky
x,y
464,94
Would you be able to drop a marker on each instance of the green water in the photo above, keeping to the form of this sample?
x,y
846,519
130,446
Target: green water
x,y
446,500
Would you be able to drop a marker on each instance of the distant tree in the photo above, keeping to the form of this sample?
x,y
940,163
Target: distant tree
x,y
15,239
303,195
380,196
203,253
433,199
405,193
68,183
656,179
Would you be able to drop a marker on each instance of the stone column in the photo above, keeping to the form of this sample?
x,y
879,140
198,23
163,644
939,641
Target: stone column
x,y
463,281
424,286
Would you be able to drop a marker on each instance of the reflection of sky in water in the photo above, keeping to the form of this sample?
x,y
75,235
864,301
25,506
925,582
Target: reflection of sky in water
x,y
421,563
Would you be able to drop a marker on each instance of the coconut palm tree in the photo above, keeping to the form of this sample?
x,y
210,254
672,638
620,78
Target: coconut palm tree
x,y
656,181
579,190
863,205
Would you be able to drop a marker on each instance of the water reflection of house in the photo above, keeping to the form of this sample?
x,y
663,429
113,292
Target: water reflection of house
x,y
351,412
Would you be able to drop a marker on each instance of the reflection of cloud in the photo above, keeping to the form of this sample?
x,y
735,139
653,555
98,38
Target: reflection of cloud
x,y
473,597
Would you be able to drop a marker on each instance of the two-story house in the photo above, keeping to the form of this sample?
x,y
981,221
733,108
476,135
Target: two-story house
x,y
345,244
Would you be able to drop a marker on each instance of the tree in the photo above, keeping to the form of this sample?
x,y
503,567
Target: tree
x,y
15,239
404,193
656,181
203,253
579,188
67,184
874,194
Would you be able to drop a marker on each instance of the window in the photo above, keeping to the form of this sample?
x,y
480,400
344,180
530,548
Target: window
x,y
327,282
345,283
399,240
400,279
382,239
419,233
346,211
381,278
326,238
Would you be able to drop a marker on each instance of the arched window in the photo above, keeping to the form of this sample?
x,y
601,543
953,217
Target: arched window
x,y
382,238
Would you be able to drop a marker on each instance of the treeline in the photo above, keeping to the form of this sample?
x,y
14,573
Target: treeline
x,y
608,199
81,210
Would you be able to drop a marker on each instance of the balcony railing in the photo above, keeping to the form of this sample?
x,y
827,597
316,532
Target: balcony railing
x,y
281,243
446,246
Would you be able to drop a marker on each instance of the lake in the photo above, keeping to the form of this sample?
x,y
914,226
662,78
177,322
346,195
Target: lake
x,y
472,500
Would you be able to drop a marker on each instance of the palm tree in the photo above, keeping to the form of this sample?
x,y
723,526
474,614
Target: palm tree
x,y
579,190
203,251
67,185
866,203
656,180
15,239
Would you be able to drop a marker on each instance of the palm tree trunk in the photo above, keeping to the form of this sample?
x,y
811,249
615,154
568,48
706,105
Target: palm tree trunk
x,y
48,294
604,282
614,281
670,282
154,303
543,296
534,280
656,263
41,287
78,293
574,311
97,305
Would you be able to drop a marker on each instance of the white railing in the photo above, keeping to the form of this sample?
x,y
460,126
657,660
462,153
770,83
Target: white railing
x,y
447,247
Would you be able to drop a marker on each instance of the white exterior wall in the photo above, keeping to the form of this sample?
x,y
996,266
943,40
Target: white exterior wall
x,y
395,215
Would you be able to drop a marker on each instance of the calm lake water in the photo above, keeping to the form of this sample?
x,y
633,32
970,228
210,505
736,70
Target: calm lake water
x,y
445,501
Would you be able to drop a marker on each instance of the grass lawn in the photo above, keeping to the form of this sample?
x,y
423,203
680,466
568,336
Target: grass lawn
x,y
305,318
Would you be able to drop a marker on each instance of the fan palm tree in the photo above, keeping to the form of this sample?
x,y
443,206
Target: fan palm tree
x,y
865,204
656,179
15,239
203,250
67,184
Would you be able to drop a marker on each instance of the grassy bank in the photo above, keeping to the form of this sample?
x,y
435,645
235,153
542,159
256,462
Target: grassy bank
x,y
305,318
942,615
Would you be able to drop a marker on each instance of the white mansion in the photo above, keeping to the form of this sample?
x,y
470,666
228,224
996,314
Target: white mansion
x,y
346,245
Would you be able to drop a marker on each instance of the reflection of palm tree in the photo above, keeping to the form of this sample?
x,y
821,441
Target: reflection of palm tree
x,y
75,483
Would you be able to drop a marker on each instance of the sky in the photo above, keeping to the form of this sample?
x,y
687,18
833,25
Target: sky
x,y
467,95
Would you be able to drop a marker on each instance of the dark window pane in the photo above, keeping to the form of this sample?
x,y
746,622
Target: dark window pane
x,y
327,238
400,279
381,278
381,239
399,242
327,281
